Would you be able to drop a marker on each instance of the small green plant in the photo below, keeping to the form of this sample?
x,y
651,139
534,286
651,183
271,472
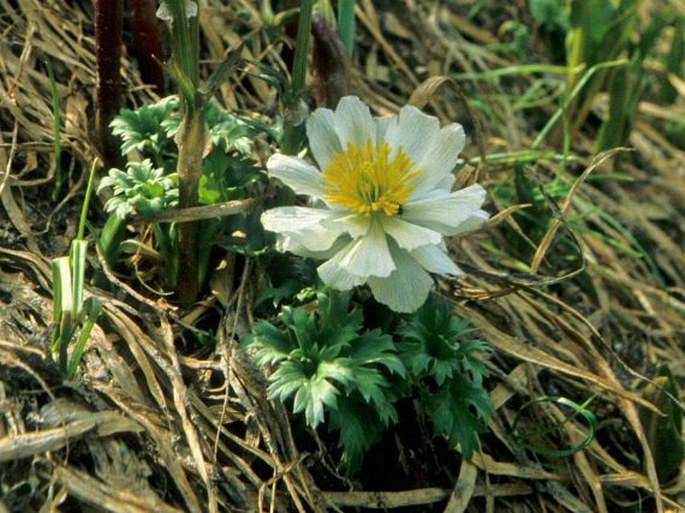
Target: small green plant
x,y
332,368
142,130
337,373
74,316
150,184
447,374
141,189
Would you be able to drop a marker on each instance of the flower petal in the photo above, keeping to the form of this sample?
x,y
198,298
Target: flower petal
x,y
369,255
323,139
286,243
301,226
407,235
382,124
356,225
450,214
435,150
411,130
336,276
296,174
434,260
353,122
407,287
438,160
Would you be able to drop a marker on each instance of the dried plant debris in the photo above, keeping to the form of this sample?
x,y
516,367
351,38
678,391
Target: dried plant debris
x,y
577,282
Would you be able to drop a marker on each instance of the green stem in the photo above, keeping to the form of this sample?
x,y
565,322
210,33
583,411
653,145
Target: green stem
x,y
190,149
191,138
185,38
293,131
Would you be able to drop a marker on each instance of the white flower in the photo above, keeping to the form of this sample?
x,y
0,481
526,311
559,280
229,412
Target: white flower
x,y
384,201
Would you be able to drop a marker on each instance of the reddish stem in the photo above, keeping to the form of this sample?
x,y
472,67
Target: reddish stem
x,y
108,37
148,42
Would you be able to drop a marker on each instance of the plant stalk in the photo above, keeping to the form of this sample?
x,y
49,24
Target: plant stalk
x,y
109,16
294,130
148,42
190,150
185,35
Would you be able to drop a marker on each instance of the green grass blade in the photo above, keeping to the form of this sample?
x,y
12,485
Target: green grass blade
x,y
86,201
576,90
577,410
518,70
111,236
78,272
93,310
63,308
346,27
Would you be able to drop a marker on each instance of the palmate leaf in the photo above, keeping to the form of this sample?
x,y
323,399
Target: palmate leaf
x,y
312,395
458,411
273,344
374,347
359,428
446,369
338,324
141,188
326,366
374,389
143,129
469,363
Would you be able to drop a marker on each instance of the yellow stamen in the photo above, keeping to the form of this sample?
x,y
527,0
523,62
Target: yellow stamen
x,y
364,179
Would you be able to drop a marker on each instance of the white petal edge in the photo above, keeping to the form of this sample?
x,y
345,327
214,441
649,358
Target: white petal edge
x,y
296,174
407,288
438,160
323,139
285,243
407,235
412,129
353,122
449,214
434,260
301,226
334,275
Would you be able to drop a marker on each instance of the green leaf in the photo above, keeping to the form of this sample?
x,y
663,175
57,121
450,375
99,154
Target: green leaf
x,y
374,347
273,344
324,362
450,411
359,427
287,380
448,373
222,73
141,188
312,397
142,130
664,430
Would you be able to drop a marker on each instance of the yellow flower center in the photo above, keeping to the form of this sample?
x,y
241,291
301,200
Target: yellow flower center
x,y
364,179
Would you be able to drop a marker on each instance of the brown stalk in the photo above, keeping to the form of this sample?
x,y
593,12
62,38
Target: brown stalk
x,y
108,35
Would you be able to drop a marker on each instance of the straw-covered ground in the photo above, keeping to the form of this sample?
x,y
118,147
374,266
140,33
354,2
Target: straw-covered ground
x,y
577,283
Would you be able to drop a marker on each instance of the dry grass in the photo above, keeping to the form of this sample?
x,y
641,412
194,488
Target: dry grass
x,y
148,426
